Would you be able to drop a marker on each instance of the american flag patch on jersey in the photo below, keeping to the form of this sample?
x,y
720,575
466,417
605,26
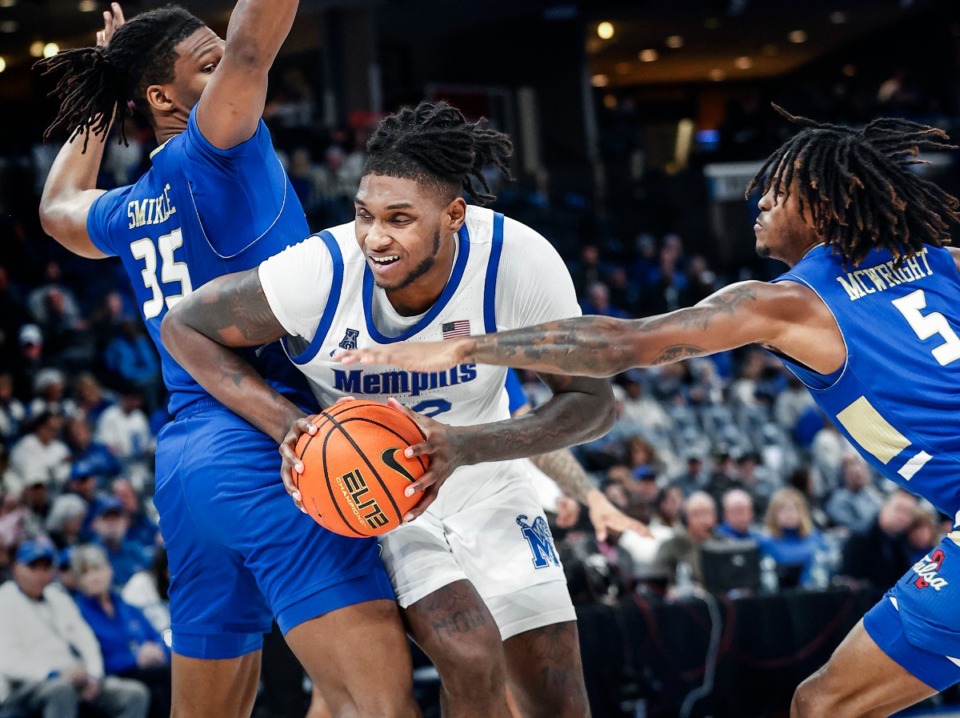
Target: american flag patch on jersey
x,y
459,328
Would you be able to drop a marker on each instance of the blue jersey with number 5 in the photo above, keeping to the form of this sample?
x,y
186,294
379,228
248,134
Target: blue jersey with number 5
x,y
897,396
200,212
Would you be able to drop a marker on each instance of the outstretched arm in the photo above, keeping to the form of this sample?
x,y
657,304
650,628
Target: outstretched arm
x,y
233,101
71,186
786,316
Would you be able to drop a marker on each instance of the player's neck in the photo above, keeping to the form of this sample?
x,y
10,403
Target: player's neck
x,y
169,127
801,251
421,294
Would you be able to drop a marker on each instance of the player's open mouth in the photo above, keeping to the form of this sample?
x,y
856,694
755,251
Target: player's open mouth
x,y
385,260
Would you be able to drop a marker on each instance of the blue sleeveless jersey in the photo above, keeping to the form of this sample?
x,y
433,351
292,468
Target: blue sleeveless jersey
x,y
897,397
198,213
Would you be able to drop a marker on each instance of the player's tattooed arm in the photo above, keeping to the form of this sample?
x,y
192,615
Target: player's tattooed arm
x,y
200,332
741,314
602,346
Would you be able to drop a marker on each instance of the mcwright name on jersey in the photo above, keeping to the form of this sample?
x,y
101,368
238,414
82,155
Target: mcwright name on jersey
x,y
870,280
397,383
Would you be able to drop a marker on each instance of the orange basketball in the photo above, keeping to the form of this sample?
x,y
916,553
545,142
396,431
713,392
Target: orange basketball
x,y
354,470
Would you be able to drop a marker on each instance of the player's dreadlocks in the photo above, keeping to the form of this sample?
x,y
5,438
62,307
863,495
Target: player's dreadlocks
x,y
96,85
858,187
435,144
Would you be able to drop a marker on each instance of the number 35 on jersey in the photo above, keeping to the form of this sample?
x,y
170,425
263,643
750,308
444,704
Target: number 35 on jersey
x,y
174,276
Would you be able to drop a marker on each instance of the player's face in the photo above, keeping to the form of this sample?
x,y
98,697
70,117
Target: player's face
x,y
782,231
405,230
197,58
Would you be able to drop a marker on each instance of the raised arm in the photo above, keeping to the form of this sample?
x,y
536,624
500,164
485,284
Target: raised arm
x,y
786,316
71,185
69,192
232,103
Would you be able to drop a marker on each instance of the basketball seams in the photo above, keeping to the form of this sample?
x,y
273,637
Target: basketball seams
x,y
392,431
362,455
333,498
334,420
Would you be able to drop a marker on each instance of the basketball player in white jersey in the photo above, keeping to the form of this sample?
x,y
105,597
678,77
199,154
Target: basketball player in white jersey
x,y
476,573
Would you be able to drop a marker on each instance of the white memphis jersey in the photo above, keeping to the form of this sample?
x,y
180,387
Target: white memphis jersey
x,y
480,297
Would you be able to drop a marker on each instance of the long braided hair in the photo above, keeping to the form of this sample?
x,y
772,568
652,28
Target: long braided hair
x,y
434,144
858,187
96,85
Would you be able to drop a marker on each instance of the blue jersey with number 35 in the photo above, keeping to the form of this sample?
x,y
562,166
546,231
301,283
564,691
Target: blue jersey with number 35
x,y
897,396
198,213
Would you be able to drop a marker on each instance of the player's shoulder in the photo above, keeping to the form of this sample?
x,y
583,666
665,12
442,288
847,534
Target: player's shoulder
x,y
345,238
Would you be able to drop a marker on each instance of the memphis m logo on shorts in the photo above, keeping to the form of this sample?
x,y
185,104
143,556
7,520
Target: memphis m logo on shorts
x,y
538,537
927,569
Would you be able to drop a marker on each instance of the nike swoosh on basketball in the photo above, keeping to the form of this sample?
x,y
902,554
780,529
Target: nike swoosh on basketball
x,y
389,458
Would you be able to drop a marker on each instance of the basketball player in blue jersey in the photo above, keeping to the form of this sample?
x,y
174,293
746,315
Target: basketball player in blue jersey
x,y
868,317
476,574
215,200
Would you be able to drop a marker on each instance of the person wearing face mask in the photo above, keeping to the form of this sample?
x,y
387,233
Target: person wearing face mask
x,y
131,646
110,527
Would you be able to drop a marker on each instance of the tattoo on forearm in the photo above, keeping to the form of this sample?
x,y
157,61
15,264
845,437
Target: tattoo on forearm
x,y
699,317
602,346
566,471
681,351
570,346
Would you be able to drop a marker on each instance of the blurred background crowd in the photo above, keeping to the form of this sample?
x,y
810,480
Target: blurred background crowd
x,y
637,180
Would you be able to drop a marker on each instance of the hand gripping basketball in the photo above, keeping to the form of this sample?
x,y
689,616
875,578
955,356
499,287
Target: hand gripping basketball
x,y
354,471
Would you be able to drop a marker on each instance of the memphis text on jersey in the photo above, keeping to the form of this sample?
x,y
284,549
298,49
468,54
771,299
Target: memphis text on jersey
x,y
154,210
397,383
354,489
871,280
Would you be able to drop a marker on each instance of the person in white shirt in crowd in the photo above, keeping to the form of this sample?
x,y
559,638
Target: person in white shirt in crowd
x,y
641,409
41,453
827,451
49,386
124,427
48,655
148,590
791,403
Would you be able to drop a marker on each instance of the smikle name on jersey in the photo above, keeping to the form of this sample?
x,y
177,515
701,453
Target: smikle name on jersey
x,y
399,383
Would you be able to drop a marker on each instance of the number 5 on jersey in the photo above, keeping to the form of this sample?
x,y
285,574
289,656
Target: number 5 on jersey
x,y
926,325
171,271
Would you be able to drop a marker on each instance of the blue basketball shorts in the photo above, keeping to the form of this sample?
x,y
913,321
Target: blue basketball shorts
x,y
240,552
917,623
